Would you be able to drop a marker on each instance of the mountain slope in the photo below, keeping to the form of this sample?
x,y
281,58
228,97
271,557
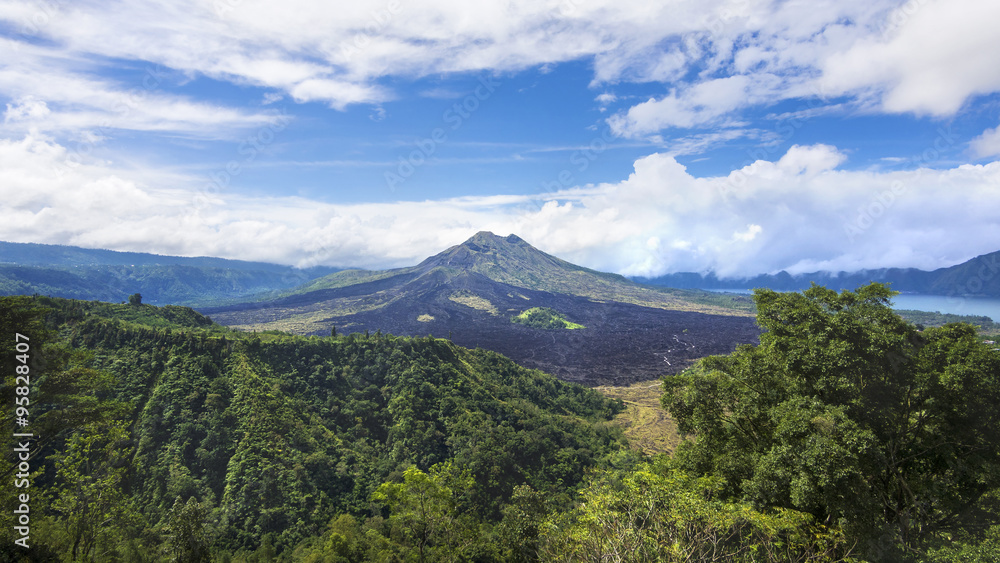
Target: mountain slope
x,y
978,277
470,292
512,261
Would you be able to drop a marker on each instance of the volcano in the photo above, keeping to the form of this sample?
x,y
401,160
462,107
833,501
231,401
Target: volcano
x,y
470,292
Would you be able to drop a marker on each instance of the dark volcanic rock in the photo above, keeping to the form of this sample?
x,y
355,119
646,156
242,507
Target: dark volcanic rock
x,y
621,343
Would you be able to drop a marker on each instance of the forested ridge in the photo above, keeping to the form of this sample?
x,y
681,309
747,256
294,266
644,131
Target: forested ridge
x,y
271,435
847,435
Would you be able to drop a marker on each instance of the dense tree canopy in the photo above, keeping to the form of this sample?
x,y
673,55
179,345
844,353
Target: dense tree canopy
x,y
169,435
846,435
848,413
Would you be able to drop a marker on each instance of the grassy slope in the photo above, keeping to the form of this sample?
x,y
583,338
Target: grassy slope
x,y
342,278
646,425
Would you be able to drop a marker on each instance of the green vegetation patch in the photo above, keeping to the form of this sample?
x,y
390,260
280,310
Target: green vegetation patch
x,y
543,317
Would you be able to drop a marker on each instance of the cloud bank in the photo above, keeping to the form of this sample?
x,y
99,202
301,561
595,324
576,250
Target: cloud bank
x,y
800,212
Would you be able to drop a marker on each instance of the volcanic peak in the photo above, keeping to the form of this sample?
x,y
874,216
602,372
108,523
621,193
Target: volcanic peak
x,y
485,249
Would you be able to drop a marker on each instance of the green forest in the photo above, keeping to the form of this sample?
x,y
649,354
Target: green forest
x,y
847,434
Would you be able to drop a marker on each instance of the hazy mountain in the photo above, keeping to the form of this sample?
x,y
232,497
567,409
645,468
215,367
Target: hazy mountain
x,y
107,275
471,291
979,277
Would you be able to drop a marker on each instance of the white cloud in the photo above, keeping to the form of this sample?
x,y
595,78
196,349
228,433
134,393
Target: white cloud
x,y
606,98
810,160
925,57
799,212
25,108
337,93
987,144
749,234
52,91
700,143
714,57
930,59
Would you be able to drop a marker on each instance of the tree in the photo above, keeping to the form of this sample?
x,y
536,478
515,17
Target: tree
x,y
91,507
523,519
188,540
424,515
847,412
135,299
656,513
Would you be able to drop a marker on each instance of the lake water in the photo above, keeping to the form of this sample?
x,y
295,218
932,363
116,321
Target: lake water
x,y
989,307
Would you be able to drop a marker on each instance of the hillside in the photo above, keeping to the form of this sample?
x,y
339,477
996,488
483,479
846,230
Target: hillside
x,y
273,436
106,275
469,293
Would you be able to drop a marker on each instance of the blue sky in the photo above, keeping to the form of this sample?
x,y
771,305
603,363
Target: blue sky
x,y
735,136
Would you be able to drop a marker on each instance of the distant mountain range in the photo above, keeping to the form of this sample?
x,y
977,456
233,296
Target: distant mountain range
x,y
470,293
107,275
978,277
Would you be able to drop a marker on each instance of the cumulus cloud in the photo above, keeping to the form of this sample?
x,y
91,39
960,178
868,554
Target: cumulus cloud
x,y
987,144
799,212
26,108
